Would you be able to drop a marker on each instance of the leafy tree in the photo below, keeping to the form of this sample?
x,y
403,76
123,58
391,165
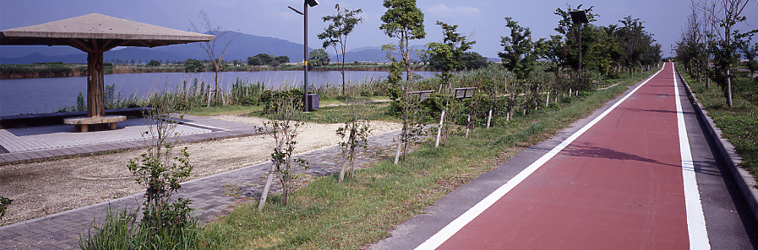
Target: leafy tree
x,y
261,59
282,59
690,46
403,20
193,65
473,61
448,55
567,53
750,52
154,63
518,50
335,35
635,41
318,57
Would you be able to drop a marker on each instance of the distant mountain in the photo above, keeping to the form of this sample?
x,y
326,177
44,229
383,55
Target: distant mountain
x,y
372,54
243,47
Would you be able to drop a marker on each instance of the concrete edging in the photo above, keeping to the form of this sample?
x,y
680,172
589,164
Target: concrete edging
x,y
745,181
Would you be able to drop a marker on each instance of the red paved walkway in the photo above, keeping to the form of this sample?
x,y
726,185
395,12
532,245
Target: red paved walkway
x,y
618,185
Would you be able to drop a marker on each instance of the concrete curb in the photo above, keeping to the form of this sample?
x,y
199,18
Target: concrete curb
x,y
745,181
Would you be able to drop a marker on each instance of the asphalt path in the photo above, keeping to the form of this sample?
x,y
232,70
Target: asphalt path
x,y
637,174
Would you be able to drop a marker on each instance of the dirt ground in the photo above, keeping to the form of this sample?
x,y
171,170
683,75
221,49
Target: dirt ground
x,y
48,187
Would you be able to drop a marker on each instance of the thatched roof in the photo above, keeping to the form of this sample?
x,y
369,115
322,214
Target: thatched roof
x,y
108,31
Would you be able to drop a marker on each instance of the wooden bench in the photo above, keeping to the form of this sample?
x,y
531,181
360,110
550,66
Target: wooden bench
x,y
81,124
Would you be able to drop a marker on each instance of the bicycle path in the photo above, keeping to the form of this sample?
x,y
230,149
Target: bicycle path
x,y
637,174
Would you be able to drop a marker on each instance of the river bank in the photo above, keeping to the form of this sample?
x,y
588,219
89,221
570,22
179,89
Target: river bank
x,y
50,70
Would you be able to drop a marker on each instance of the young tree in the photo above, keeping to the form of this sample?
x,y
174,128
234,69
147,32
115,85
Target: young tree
x,y
283,124
403,20
518,50
567,52
340,27
4,203
635,41
160,170
404,104
354,135
215,49
448,57
725,14
518,57
750,52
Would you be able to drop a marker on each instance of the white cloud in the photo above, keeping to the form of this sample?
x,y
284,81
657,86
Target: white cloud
x,y
444,10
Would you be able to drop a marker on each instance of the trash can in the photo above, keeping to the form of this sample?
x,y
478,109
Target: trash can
x,y
312,101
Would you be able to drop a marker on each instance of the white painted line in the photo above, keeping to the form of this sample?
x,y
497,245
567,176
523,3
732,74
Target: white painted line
x,y
695,218
448,231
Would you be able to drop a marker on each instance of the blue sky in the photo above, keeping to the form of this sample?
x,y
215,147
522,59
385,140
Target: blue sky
x,y
481,20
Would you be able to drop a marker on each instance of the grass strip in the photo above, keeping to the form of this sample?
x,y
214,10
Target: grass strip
x,y
738,124
364,209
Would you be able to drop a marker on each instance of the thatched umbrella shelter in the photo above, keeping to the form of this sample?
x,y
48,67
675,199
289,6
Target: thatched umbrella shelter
x,y
95,34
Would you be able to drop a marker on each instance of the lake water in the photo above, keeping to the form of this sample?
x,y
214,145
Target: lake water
x,y
44,95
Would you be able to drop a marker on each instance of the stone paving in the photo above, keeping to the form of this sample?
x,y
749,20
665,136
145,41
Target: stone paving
x,y
211,196
49,142
63,136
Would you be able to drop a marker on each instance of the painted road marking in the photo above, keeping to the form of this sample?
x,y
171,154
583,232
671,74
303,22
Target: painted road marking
x,y
448,231
695,217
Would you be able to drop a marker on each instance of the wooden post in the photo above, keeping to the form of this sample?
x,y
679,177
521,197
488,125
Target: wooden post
x,y
468,118
439,130
95,85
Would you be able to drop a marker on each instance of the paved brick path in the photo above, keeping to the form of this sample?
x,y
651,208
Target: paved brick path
x,y
37,143
211,196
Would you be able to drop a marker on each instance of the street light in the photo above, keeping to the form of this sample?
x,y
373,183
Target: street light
x,y
579,17
307,3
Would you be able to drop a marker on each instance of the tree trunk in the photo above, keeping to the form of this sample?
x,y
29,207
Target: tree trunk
x,y
215,96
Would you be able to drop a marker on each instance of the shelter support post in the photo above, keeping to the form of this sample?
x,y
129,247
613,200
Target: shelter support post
x,y
95,85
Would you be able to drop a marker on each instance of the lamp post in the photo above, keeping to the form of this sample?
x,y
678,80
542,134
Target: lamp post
x,y
579,17
306,3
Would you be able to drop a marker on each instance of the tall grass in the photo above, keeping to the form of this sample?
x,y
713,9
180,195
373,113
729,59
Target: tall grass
x,y
121,229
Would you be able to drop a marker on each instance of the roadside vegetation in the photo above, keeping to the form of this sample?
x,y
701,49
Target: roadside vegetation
x,y
708,56
739,124
363,209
